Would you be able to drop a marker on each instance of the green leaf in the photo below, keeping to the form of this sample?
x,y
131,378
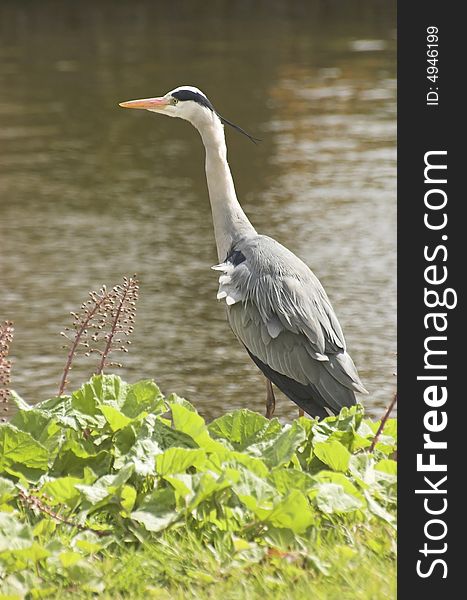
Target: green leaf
x,y
14,534
165,436
114,417
285,480
340,479
18,448
143,397
182,484
243,428
7,490
178,460
63,490
69,558
45,528
378,509
292,512
110,489
174,399
101,389
332,498
20,404
157,511
387,466
143,456
253,491
280,449
205,486
192,424
88,542
333,454
230,458
78,453
32,554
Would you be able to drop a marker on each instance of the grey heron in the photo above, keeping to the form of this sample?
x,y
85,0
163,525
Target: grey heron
x,y
276,306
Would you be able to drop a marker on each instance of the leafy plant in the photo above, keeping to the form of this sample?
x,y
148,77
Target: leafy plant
x,y
115,462
116,473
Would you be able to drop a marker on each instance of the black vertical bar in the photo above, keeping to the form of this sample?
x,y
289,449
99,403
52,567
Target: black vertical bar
x,y
430,118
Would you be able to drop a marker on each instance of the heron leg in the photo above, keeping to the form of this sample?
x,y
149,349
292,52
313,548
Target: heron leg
x,y
270,400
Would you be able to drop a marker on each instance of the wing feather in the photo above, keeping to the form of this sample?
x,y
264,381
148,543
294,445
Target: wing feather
x,y
283,316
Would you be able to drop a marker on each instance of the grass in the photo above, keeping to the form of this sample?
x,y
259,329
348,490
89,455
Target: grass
x,y
178,566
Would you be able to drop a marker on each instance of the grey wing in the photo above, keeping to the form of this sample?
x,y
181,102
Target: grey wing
x,y
278,309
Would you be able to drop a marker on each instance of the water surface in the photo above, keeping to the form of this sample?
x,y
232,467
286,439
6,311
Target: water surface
x,y
90,192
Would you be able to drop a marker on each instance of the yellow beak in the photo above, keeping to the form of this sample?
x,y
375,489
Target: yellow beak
x,y
146,103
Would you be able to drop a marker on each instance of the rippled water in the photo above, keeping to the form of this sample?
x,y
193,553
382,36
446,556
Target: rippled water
x,y
90,192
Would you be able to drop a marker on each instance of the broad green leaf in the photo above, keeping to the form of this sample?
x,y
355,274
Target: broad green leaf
x,y
109,388
174,399
63,490
77,454
362,468
387,466
93,493
60,407
127,498
114,417
253,491
45,528
69,558
7,490
243,428
13,533
231,458
333,454
192,424
124,439
205,485
85,400
143,397
157,511
31,554
378,510
20,448
101,389
280,449
164,435
143,456
193,489
178,460
88,542
292,512
189,422
20,404
43,427
340,479
285,480
332,498
281,537
182,484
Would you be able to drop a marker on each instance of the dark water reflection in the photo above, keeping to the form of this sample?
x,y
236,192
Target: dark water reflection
x,y
89,192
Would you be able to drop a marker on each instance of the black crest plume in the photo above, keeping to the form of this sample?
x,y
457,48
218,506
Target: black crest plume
x,y
184,95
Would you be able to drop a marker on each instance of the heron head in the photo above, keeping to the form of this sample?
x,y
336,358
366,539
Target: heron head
x,y
186,102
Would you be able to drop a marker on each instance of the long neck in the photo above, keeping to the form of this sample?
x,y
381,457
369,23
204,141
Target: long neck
x,y
230,222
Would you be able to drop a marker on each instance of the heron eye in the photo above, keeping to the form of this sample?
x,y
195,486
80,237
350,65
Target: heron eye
x,y
174,101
